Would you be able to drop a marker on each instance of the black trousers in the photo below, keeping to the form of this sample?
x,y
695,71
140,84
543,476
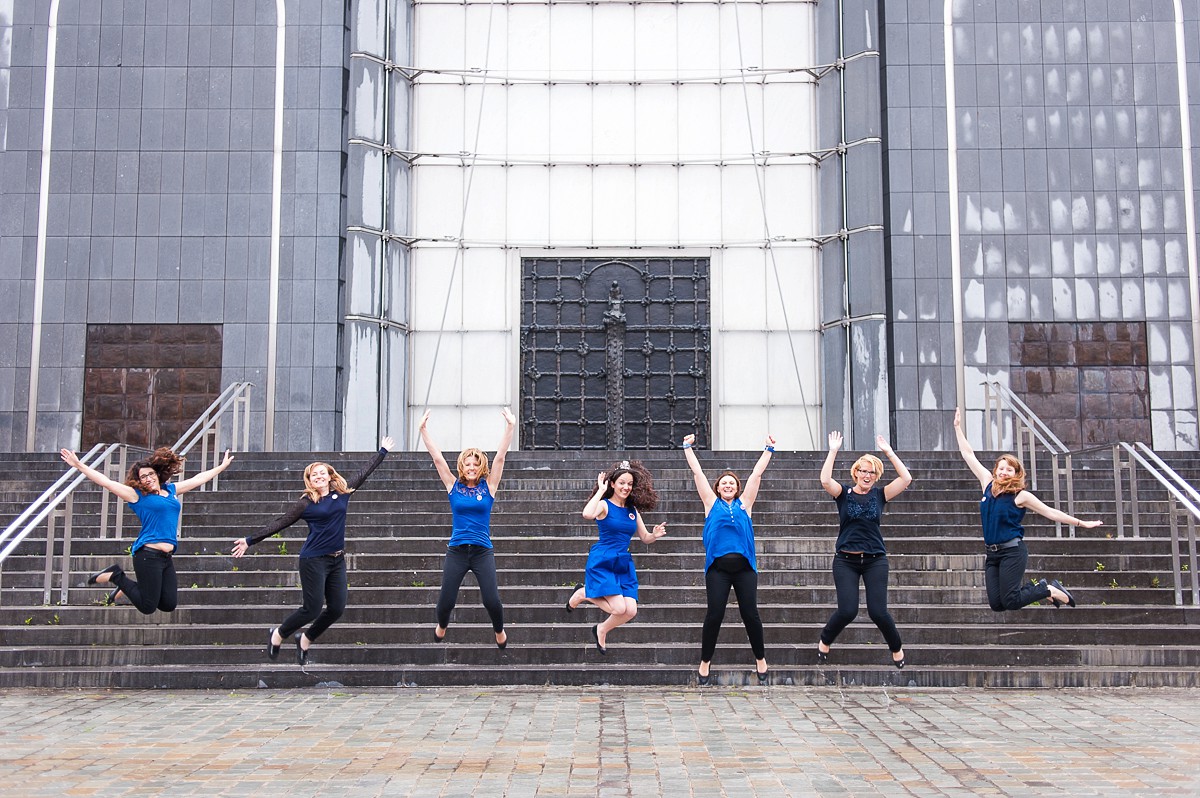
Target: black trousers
x,y
481,561
323,580
157,585
872,569
726,572
1004,575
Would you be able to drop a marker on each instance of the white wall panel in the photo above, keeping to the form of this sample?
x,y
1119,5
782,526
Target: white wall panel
x,y
543,114
528,204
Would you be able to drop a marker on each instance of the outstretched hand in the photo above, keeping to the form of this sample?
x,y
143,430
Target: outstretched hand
x,y
69,457
689,440
957,418
835,441
660,530
1090,524
882,443
228,459
770,440
424,420
239,547
387,443
509,418
602,482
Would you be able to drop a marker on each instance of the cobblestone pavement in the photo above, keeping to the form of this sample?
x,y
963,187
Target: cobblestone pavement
x,y
600,742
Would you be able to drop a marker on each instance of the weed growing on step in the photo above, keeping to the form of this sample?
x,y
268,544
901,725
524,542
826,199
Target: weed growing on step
x,y
194,585
55,621
29,620
417,583
1099,566
283,547
1154,581
1113,583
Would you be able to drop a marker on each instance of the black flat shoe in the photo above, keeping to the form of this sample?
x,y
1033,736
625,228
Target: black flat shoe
x,y
703,681
503,645
437,639
596,637
899,663
301,654
574,590
111,598
822,657
272,649
113,570
763,678
1070,599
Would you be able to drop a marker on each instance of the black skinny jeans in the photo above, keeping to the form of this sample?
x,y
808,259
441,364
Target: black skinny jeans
x,y
481,561
731,571
873,570
157,586
323,580
1004,575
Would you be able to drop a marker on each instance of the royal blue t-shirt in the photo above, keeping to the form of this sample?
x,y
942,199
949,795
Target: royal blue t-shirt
x,y
159,516
472,511
727,530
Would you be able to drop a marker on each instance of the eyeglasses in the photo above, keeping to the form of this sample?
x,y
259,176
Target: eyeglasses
x,y
863,470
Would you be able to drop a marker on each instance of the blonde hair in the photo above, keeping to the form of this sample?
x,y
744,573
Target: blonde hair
x,y
867,459
337,482
1013,484
472,452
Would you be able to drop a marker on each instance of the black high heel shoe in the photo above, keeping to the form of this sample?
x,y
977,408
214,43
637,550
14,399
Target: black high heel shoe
x,y
272,649
301,653
112,570
1070,602
574,590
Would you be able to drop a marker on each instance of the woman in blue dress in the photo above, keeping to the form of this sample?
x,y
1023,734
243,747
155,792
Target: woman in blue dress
x,y
729,561
611,582
471,496
153,498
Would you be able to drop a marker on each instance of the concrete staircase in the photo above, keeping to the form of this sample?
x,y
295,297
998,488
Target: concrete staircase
x,y
1127,631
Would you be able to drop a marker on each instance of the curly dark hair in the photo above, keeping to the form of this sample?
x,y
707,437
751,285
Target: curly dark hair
x,y
643,497
164,462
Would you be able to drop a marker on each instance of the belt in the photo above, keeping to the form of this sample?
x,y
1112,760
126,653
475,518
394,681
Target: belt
x,y
862,555
1008,544
336,554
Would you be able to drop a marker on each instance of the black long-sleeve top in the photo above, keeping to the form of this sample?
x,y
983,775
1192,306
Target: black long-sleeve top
x,y
326,518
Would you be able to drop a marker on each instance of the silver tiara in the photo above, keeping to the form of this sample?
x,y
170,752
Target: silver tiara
x,y
624,464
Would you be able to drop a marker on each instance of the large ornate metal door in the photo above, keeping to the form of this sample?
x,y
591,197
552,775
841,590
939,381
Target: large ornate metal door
x,y
614,352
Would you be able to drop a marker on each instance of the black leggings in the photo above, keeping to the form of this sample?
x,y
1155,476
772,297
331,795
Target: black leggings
x,y
481,561
157,586
323,580
731,571
1004,575
873,570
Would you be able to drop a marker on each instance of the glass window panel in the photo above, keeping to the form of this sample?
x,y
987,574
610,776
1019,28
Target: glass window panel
x,y
742,285
570,120
440,380
613,209
528,113
529,197
431,271
439,38
699,203
571,44
437,199
487,209
741,212
528,41
699,52
612,121
485,291
742,372
657,205
438,119
655,40
570,204
657,122
612,40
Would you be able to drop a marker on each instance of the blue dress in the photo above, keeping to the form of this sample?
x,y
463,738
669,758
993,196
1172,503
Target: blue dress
x,y
610,566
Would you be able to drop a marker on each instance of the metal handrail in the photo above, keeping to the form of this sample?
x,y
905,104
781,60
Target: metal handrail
x,y
1027,426
206,430
48,502
1177,486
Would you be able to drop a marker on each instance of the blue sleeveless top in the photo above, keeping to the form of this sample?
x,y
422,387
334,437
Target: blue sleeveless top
x,y
727,530
472,511
1001,517
616,528
159,516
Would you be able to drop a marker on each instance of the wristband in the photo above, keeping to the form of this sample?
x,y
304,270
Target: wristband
x,y
770,449
687,446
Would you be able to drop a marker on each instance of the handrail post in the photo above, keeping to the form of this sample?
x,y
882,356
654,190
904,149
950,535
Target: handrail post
x,y
1133,498
1191,522
64,512
68,523
1118,497
1054,475
1069,473
1176,574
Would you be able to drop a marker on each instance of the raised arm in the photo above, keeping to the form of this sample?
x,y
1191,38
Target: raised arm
x,y
831,485
118,489
191,483
702,487
903,477
647,536
750,489
596,508
385,446
497,469
439,461
964,447
1028,501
